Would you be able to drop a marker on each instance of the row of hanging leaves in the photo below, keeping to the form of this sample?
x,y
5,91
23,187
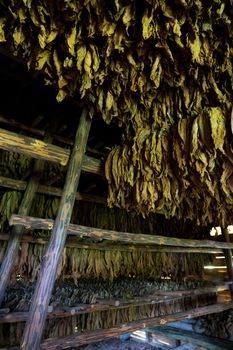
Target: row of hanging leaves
x,y
156,67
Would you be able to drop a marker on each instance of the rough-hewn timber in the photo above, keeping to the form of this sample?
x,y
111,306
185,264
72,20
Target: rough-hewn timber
x,y
38,149
73,243
98,335
49,190
17,231
103,305
210,343
40,302
84,231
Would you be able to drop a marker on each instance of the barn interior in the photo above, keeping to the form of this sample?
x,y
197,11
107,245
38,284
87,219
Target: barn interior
x,y
115,177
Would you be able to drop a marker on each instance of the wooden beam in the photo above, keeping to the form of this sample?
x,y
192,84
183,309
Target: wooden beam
x,y
89,337
105,305
49,190
11,253
210,343
103,334
74,243
38,149
47,275
20,126
84,231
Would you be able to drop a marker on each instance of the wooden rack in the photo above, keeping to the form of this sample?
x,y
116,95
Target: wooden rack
x,y
61,227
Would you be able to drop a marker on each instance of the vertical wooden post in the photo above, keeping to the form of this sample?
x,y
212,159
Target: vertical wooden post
x,y
228,259
38,310
17,231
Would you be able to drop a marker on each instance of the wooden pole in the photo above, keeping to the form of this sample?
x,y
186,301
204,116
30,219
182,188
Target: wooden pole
x,y
38,310
49,190
74,243
134,238
38,149
16,234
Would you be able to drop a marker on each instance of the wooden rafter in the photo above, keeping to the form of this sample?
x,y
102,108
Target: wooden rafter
x,y
74,243
38,149
84,231
49,190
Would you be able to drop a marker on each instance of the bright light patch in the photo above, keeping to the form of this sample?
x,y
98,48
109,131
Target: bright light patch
x,y
211,267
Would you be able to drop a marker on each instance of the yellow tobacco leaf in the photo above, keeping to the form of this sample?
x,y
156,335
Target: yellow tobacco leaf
x,y
81,54
61,95
218,127
146,25
71,39
2,33
195,48
57,62
109,101
18,36
87,64
42,37
156,71
42,58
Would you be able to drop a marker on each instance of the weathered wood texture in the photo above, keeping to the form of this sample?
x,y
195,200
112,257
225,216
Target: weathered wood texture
x,y
38,149
31,129
103,334
211,343
95,336
103,305
39,306
11,253
73,243
49,190
84,231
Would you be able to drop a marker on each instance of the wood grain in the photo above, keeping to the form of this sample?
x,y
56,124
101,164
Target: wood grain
x,y
84,231
40,302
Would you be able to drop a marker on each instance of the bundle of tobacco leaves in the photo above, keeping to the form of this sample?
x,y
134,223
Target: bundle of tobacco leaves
x,y
163,70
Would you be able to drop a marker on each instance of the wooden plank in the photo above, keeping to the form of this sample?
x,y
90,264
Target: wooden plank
x,y
39,132
74,243
101,305
11,253
38,149
40,302
49,190
89,337
98,335
31,147
211,343
84,231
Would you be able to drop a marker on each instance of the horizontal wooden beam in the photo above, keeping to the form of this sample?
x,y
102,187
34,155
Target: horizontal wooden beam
x,y
48,190
103,305
84,231
38,149
73,243
210,343
39,132
89,337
